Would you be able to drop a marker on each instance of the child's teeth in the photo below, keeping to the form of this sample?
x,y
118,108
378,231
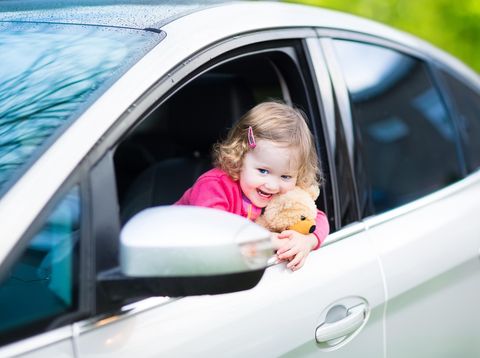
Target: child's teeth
x,y
263,193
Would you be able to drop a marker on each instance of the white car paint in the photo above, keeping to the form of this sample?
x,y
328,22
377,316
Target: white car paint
x,y
432,271
277,317
56,343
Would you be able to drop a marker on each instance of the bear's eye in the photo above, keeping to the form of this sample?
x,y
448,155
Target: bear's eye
x,y
302,217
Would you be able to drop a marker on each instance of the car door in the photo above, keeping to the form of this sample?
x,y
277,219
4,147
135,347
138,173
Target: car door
x,y
279,317
425,228
333,306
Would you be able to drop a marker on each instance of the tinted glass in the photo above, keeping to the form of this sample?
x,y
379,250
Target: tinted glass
x,y
48,74
405,143
344,180
466,103
42,284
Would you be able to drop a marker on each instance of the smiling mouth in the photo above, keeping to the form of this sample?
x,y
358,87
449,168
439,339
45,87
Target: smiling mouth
x,y
263,194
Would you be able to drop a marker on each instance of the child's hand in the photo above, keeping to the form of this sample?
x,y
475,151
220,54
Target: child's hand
x,y
296,248
276,241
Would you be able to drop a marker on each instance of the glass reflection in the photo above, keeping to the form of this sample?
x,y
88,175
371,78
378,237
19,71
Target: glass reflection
x,y
405,142
46,74
466,102
46,271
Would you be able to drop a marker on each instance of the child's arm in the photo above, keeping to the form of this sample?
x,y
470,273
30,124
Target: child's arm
x,y
210,193
297,248
322,228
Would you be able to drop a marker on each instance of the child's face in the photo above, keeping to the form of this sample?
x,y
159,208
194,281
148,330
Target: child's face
x,y
267,170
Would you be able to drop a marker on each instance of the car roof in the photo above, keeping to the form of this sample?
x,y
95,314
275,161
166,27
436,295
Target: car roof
x,y
141,14
155,14
135,14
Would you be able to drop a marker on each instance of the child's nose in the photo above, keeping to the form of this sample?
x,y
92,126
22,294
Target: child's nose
x,y
272,185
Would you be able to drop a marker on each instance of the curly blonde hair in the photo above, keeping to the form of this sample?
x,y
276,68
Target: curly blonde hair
x,y
276,122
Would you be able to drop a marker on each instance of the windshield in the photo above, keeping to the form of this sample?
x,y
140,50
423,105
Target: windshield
x,y
48,75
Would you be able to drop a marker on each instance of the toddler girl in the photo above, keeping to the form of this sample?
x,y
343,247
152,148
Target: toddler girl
x,y
268,152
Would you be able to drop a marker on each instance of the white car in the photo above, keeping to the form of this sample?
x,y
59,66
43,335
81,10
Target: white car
x,y
108,113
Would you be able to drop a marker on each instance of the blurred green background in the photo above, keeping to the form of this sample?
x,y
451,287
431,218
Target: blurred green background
x,y
453,26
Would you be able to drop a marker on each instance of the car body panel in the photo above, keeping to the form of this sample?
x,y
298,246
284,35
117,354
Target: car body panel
x,y
56,343
433,272
285,306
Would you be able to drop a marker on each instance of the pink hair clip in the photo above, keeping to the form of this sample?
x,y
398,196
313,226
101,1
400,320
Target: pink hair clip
x,y
251,138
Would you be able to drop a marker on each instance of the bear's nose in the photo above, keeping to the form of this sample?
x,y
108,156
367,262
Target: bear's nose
x,y
302,217
312,229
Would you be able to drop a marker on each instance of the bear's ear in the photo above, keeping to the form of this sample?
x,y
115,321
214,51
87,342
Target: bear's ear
x,y
313,191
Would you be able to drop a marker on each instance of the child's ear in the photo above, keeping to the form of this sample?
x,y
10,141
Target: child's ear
x,y
313,191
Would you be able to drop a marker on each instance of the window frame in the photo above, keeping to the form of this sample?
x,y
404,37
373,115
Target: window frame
x,y
341,122
228,50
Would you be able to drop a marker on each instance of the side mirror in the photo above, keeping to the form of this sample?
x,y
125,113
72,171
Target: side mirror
x,y
182,241
188,250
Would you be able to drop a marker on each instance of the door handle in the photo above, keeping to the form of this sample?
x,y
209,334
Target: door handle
x,y
329,331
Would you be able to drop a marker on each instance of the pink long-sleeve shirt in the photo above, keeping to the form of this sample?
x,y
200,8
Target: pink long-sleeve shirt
x,y
216,189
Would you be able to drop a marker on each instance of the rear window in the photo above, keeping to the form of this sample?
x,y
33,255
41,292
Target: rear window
x,y
49,74
406,142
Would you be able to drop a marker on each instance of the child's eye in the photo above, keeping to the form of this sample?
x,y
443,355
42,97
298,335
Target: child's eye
x,y
286,177
263,171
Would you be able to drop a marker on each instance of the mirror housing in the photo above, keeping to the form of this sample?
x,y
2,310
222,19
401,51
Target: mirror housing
x,y
188,250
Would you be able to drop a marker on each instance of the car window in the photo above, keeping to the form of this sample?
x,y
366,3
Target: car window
x,y
42,284
405,140
466,102
48,73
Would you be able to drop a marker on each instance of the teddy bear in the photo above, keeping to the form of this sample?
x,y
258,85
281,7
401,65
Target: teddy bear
x,y
293,210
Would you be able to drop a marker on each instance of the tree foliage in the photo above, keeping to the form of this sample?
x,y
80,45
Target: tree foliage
x,y
451,25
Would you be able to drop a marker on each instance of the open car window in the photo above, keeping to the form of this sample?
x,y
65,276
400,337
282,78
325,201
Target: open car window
x,y
171,147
